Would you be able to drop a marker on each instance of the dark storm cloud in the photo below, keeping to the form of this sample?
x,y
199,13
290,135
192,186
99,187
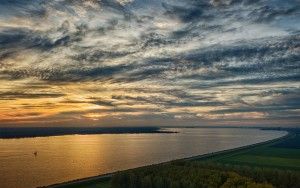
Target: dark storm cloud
x,y
154,40
167,103
101,102
248,51
112,110
32,8
92,56
267,79
20,38
186,14
286,102
29,106
69,75
16,41
16,95
271,11
94,73
256,109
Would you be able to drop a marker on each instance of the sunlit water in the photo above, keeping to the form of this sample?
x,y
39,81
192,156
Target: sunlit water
x,y
63,158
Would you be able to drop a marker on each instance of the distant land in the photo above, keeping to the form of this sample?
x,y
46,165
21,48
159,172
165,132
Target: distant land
x,y
25,132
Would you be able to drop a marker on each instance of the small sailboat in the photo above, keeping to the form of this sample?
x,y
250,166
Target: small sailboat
x,y
35,153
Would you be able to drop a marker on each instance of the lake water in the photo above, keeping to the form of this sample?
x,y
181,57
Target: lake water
x,y
64,158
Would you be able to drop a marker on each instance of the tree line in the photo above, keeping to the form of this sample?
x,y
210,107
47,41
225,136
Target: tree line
x,y
187,174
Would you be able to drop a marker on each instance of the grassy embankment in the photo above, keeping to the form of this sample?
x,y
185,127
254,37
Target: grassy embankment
x,y
275,163
283,154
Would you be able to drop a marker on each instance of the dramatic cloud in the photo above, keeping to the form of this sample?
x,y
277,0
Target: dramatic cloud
x,y
137,62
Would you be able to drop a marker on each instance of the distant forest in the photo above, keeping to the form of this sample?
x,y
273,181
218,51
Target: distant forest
x,y
23,132
185,174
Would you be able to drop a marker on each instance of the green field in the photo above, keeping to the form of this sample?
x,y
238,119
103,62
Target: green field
x,y
272,164
284,154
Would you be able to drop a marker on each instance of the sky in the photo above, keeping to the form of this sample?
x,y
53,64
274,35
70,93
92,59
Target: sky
x,y
149,62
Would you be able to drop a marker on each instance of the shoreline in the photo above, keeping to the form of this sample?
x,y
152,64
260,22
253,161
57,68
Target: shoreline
x,y
197,157
30,132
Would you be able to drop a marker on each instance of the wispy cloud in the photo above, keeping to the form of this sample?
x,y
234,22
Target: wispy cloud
x,y
160,61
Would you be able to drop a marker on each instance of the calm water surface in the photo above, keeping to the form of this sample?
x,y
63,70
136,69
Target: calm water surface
x,y
63,158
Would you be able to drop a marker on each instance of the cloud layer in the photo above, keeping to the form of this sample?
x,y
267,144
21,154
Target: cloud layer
x,y
138,62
